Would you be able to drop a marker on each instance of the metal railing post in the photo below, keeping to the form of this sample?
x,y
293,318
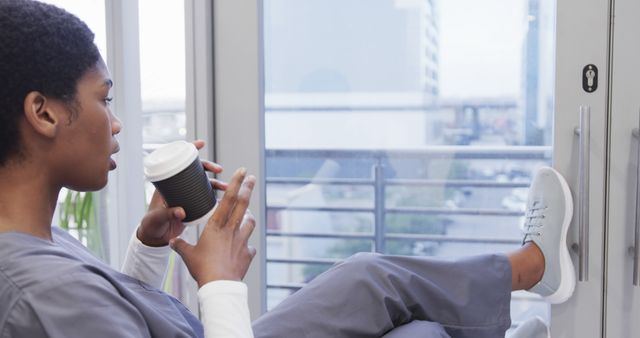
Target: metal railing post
x,y
379,207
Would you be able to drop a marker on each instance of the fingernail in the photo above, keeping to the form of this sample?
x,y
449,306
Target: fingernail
x,y
242,171
250,182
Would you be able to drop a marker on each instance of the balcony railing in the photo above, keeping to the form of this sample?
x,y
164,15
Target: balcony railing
x,y
379,182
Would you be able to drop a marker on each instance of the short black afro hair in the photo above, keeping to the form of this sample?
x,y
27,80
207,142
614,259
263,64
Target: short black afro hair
x,y
42,48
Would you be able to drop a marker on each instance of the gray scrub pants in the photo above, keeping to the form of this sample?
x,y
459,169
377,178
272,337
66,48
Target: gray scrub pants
x,y
371,295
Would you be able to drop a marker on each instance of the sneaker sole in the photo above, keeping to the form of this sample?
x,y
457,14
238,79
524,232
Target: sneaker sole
x,y
567,272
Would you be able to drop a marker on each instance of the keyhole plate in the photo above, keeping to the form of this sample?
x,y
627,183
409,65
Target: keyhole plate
x,y
590,78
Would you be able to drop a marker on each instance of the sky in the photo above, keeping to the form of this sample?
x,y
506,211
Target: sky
x,y
488,33
470,35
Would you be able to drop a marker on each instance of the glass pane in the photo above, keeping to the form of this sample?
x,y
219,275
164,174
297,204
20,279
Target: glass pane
x,y
163,69
295,273
294,221
163,93
428,116
327,250
162,74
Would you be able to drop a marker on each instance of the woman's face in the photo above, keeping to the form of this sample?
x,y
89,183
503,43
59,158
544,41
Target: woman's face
x,y
87,139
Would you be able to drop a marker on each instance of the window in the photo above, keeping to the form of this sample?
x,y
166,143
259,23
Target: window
x,y
403,127
162,68
162,74
163,100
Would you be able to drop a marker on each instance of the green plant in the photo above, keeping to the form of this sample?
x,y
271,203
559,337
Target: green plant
x,y
78,216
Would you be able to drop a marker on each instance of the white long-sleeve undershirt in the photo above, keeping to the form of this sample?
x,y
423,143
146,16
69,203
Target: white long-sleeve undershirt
x,y
223,304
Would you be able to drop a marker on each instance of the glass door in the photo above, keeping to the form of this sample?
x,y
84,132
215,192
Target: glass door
x,y
405,127
402,127
582,30
410,127
622,282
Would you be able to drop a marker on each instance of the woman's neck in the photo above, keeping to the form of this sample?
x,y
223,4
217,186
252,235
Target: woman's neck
x,y
27,200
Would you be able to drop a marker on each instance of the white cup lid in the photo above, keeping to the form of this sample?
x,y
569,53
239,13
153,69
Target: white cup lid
x,y
169,160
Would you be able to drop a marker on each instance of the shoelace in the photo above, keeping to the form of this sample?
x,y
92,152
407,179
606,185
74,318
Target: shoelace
x,y
533,220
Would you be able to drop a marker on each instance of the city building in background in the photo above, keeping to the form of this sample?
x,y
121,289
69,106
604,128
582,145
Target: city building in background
x,y
333,46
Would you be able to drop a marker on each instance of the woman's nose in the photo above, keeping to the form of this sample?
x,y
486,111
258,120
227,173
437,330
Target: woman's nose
x,y
116,125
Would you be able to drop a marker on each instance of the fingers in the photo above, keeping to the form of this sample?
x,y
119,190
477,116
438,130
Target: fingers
x,y
160,216
182,248
252,251
229,199
199,144
242,203
178,213
208,165
247,227
212,167
157,201
216,169
218,185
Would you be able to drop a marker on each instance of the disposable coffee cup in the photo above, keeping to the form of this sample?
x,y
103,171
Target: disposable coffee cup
x,y
177,173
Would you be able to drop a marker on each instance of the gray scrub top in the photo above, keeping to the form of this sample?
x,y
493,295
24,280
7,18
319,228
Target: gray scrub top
x,y
59,289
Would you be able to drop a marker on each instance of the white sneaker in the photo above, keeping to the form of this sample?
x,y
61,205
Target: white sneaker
x,y
533,327
549,212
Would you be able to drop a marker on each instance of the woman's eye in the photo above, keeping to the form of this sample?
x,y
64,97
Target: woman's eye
x,y
107,100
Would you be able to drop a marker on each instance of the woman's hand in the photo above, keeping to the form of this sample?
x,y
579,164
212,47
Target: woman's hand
x,y
161,223
222,252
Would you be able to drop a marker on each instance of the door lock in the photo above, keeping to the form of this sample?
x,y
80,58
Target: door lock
x,y
590,78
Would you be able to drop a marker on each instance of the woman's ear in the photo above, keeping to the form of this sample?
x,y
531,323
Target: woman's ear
x,y
38,112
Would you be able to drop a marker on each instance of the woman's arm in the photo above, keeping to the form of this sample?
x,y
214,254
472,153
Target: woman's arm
x,y
148,251
220,260
224,310
146,263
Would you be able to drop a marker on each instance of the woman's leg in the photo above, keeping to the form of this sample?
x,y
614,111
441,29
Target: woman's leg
x,y
368,295
418,329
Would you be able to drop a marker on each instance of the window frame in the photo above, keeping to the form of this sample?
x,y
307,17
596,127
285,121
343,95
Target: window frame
x,y
124,195
239,117
208,46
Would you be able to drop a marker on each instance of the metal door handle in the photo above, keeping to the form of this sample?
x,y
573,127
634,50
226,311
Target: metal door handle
x,y
636,245
582,247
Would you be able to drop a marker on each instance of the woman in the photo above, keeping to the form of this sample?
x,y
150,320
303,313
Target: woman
x,y
58,131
